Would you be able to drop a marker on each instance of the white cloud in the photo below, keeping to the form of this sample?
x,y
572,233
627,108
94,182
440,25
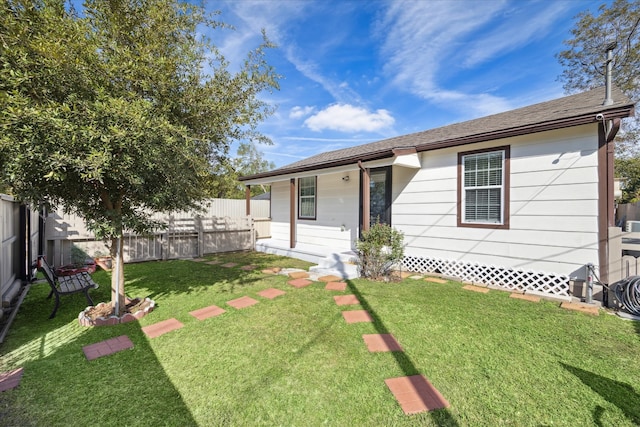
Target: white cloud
x,y
311,70
298,112
426,43
349,118
514,32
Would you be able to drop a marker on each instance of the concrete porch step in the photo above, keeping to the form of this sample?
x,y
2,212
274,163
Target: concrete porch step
x,y
338,264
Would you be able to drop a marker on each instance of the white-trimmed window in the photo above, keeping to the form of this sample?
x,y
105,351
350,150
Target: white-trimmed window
x,y
307,197
483,188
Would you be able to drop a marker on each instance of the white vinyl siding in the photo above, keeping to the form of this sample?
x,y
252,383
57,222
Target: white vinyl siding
x,y
553,205
307,197
483,184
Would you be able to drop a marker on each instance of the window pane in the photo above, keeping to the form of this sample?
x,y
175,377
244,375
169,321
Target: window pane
x,y
307,207
307,197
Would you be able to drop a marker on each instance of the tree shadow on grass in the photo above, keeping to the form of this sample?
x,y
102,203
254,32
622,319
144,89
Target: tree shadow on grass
x,y
441,417
61,387
618,393
175,277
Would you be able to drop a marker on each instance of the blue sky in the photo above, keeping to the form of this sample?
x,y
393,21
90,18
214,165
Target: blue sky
x,y
361,71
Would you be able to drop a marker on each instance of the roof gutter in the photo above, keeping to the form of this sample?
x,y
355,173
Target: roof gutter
x,y
624,111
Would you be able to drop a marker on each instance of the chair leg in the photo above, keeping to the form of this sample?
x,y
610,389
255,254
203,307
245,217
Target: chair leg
x,y
53,313
89,300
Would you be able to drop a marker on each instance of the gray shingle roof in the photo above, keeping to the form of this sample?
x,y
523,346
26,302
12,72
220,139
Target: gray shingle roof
x,y
568,111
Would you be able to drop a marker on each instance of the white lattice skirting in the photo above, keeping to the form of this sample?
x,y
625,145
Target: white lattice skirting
x,y
516,280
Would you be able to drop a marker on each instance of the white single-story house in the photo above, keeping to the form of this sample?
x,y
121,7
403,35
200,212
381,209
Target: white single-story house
x,y
521,199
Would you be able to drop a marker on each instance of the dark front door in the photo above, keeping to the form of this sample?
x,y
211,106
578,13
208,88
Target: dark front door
x,y
379,196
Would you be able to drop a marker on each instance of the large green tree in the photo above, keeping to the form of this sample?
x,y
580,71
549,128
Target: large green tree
x,y
584,63
120,109
248,161
584,60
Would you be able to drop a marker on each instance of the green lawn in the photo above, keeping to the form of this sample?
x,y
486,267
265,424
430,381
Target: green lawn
x,y
293,361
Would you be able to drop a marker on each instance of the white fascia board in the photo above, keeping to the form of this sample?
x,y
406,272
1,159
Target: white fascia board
x,y
408,160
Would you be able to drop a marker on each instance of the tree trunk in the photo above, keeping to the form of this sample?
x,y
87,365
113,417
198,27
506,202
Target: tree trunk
x,y
117,275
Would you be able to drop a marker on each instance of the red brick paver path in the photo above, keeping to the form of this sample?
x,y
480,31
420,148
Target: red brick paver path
x,y
580,307
476,289
336,286
357,316
10,379
248,267
105,348
416,394
346,300
381,342
299,275
161,328
271,293
330,278
229,264
525,297
299,283
242,302
207,312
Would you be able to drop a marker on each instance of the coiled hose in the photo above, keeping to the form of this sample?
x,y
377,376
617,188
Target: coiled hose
x,y
628,294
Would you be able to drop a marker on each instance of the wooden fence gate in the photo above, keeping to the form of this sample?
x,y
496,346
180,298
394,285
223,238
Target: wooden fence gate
x,y
222,227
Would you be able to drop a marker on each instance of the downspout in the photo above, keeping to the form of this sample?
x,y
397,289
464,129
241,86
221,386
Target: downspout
x,y
292,213
366,199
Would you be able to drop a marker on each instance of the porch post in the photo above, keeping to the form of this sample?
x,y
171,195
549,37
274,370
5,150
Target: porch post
x,y
366,198
247,196
292,213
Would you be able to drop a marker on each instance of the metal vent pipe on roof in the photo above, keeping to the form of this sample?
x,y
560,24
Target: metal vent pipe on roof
x,y
608,100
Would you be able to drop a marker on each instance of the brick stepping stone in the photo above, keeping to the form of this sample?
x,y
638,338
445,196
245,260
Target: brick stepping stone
x,y
229,264
525,297
105,348
346,300
336,286
357,316
416,394
242,302
381,342
299,275
10,379
272,270
248,267
435,280
271,293
198,259
161,328
589,309
299,283
207,312
214,262
329,278
475,289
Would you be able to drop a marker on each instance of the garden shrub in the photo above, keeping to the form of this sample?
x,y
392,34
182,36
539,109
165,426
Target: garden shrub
x,y
379,249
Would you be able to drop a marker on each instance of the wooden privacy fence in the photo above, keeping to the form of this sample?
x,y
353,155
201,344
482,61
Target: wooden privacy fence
x,y
191,237
222,227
